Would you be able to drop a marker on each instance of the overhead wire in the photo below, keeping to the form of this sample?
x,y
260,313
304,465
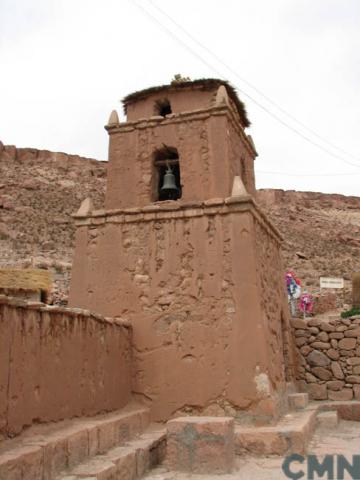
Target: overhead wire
x,y
308,174
242,79
211,67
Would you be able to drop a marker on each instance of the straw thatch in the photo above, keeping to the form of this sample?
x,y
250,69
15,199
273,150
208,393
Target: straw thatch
x,y
25,279
205,84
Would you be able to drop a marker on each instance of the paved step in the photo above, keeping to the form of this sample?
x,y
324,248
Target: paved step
x,y
347,410
45,451
328,419
298,401
290,435
128,462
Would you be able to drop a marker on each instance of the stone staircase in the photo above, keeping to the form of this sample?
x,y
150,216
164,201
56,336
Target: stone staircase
x,y
117,446
124,445
128,462
289,435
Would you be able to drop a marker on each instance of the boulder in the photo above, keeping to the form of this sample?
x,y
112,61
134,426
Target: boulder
x,y
322,337
317,392
347,343
335,385
321,373
337,370
353,379
321,345
341,395
333,354
326,327
318,359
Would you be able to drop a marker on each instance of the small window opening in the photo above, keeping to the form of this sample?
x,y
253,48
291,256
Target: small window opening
x,y
162,107
243,172
43,296
167,181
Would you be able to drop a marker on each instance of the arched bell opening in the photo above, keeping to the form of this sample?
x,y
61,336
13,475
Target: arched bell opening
x,y
166,174
162,107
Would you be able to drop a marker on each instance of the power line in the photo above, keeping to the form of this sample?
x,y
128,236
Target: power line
x,y
287,174
242,79
294,130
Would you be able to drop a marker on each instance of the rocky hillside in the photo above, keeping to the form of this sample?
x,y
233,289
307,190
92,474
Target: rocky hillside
x,y
321,233
39,190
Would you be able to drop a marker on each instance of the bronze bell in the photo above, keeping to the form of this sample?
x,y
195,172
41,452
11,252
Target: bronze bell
x,y
169,188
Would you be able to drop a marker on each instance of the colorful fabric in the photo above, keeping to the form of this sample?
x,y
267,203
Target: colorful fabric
x,y
293,285
306,303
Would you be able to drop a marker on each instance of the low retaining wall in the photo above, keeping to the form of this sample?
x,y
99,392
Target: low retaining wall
x,y
58,363
328,358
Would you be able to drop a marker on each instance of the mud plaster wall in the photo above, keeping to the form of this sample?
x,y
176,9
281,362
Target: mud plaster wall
x,y
280,345
57,365
201,140
188,281
241,161
181,101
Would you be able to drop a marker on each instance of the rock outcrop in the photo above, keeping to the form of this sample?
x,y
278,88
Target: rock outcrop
x,y
321,233
39,190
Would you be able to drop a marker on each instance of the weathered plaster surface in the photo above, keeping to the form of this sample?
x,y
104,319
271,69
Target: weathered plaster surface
x,y
189,281
206,161
58,363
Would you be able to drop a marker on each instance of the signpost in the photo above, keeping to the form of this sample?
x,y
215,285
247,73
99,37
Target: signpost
x,y
331,282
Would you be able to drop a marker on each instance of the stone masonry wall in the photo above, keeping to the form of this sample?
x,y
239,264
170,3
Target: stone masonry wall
x,y
328,358
57,363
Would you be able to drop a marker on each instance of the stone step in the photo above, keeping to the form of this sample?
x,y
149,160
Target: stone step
x,y
328,419
200,445
128,462
298,401
290,435
43,452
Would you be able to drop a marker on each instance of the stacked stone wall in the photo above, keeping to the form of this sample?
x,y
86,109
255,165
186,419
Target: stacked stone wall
x,y
328,357
58,363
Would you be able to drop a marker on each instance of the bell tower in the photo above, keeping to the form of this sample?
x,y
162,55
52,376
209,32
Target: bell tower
x,y
182,252
195,129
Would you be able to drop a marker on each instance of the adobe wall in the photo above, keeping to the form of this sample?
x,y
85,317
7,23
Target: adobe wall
x,y
328,357
241,159
190,281
201,139
57,363
181,101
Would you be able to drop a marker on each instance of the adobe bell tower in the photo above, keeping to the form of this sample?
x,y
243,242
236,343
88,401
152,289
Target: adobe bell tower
x,y
183,252
196,126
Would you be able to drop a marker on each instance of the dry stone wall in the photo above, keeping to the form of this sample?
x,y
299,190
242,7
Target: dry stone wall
x,y
328,357
57,363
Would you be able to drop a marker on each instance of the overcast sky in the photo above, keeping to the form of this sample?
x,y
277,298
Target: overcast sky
x,y
65,64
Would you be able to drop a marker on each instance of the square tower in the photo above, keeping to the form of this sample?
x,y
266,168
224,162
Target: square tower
x,y
200,124
195,266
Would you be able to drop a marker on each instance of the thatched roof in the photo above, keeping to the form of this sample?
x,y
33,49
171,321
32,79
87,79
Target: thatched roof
x,y
25,279
205,84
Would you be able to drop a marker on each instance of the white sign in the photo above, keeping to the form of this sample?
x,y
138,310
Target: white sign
x,y
331,282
